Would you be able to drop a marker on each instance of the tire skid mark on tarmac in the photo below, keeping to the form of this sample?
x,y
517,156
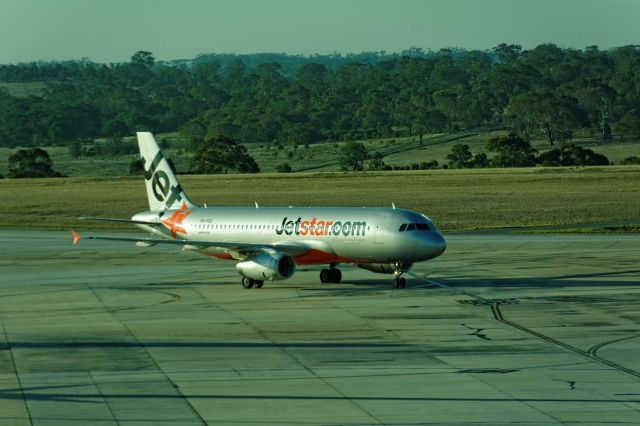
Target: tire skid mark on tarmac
x,y
495,308
497,314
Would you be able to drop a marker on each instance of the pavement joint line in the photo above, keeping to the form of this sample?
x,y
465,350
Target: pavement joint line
x,y
15,370
300,363
175,387
93,380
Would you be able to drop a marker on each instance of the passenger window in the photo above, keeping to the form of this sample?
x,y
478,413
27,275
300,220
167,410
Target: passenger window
x,y
422,226
402,227
411,227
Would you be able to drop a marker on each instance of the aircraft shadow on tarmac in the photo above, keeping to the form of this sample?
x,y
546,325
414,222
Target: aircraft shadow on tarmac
x,y
33,393
558,281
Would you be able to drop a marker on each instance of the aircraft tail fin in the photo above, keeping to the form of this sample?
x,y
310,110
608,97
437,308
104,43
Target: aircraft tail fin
x,y
163,189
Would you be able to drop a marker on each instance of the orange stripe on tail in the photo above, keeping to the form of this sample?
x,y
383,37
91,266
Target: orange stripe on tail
x,y
76,237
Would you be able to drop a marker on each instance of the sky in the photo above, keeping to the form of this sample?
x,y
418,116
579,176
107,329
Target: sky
x,y
112,30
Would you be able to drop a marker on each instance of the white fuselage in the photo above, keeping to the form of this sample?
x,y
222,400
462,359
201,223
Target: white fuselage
x,y
334,235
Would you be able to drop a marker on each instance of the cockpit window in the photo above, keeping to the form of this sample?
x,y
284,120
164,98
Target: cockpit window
x,y
411,227
422,226
402,227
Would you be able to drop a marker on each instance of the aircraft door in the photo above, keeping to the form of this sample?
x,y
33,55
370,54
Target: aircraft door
x,y
380,230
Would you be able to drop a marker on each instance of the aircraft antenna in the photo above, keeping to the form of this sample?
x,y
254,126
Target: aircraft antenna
x,y
257,206
393,206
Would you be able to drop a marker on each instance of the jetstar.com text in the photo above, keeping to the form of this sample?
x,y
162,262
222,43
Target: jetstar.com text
x,y
321,227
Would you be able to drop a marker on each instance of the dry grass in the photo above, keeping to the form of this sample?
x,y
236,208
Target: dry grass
x,y
455,199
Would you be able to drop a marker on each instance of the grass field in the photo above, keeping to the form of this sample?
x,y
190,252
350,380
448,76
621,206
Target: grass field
x,y
455,199
23,90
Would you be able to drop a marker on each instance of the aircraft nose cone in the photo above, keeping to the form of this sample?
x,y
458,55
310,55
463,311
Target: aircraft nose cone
x,y
435,244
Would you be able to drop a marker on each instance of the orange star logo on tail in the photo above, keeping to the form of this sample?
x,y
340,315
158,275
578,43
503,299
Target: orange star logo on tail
x,y
174,222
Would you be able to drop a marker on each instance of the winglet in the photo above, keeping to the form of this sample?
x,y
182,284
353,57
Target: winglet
x,y
76,237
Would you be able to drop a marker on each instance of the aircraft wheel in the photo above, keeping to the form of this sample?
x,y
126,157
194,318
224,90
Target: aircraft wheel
x,y
336,275
325,276
247,282
399,282
259,283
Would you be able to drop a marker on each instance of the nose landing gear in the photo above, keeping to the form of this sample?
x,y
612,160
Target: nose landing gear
x,y
399,281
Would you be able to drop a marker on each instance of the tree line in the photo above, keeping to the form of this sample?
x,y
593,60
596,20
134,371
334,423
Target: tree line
x,y
546,91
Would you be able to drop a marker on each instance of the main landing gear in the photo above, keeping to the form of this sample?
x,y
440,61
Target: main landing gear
x,y
331,275
399,281
250,283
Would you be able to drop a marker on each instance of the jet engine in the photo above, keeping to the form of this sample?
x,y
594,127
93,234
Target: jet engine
x,y
384,268
268,266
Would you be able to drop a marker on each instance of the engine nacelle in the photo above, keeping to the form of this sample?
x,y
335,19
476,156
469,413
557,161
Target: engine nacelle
x,y
384,268
268,266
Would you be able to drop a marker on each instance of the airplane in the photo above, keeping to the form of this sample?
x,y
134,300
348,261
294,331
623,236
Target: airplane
x,y
268,243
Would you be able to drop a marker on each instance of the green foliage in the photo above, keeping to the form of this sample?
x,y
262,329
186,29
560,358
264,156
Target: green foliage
x,y
136,167
115,147
280,99
31,163
629,124
480,160
376,161
427,165
283,168
572,155
222,155
512,151
75,149
460,156
631,160
353,155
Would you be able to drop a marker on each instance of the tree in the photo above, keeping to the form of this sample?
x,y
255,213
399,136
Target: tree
x,y
628,125
222,155
481,160
460,156
377,161
512,151
631,160
283,168
353,156
545,113
31,163
507,53
572,155
136,167
598,101
142,57
75,149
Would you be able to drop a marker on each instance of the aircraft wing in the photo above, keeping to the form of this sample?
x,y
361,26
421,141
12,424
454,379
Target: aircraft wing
x,y
108,219
236,249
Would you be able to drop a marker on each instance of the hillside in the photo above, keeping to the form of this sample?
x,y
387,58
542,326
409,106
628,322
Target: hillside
x,y
322,156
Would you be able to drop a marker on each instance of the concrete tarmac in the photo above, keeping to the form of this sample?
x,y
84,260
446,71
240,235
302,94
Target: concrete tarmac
x,y
501,329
